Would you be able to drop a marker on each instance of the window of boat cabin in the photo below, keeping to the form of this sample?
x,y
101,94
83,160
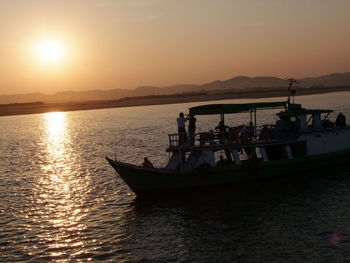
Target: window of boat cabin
x,y
316,119
301,121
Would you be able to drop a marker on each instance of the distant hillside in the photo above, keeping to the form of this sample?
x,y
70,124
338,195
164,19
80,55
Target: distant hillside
x,y
243,82
237,83
152,90
331,80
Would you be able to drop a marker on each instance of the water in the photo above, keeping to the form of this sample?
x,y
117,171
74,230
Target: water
x,y
61,202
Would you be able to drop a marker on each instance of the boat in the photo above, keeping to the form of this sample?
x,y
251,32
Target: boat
x,y
299,142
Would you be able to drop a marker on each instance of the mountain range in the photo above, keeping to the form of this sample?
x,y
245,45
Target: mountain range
x,y
236,84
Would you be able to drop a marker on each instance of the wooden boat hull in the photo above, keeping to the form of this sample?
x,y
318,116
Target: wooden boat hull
x,y
146,180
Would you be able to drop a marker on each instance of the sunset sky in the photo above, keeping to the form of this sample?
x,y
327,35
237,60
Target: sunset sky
x,y
48,46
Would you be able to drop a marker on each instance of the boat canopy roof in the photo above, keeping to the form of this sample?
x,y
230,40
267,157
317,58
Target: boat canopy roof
x,y
211,109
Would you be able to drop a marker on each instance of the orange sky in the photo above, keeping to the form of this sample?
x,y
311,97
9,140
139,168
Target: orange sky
x,y
129,43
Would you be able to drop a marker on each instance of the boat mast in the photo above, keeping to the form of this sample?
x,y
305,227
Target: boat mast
x,y
291,81
255,124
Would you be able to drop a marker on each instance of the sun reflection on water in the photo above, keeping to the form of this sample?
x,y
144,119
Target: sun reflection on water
x,y
61,190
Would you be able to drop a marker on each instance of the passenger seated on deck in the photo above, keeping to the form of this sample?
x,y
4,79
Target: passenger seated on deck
x,y
231,136
265,133
221,127
245,138
147,163
222,161
250,129
222,130
237,135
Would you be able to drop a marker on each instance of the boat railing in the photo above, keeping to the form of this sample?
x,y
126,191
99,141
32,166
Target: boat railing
x,y
200,138
242,135
173,139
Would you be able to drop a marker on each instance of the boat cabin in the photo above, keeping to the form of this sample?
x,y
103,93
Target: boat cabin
x,y
303,119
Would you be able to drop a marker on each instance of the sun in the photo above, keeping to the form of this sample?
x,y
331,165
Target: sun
x,y
51,50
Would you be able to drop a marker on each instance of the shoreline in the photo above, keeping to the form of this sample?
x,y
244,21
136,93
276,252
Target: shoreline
x,y
36,108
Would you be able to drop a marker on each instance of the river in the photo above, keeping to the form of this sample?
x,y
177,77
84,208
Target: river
x,y
60,201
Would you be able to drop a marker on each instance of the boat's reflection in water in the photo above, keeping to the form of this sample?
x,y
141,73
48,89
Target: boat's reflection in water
x,y
60,191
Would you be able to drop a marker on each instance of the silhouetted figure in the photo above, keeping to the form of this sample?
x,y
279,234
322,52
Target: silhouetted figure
x,y
250,129
326,123
191,127
181,128
265,133
221,161
340,120
222,131
221,127
147,163
283,123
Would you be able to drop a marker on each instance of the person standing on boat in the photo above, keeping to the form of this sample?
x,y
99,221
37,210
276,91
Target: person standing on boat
x,y
340,120
181,128
191,127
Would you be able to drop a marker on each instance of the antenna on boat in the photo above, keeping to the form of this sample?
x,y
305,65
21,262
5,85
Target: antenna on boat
x,y
291,92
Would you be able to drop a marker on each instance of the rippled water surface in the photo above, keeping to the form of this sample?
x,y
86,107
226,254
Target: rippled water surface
x,y
61,202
